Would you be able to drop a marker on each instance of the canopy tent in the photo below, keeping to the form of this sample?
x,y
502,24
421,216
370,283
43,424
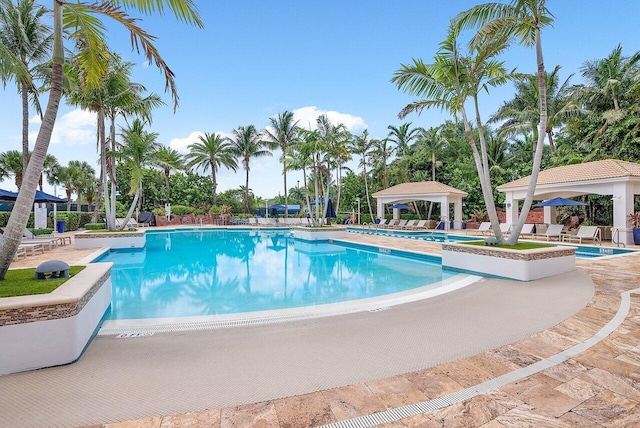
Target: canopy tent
x,y
559,202
40,197
279,209
613,177
331,213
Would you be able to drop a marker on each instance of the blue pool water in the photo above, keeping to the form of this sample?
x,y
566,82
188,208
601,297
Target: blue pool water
x,y
210,272
582,251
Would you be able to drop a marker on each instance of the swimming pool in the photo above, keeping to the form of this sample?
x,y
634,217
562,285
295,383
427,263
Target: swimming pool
x,y
582,251
224,271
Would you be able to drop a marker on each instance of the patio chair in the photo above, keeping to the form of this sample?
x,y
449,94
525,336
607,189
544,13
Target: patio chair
x,y
527,230
401,224
33,248
409,224
49,241
505,228
553,231
383,222
390,224
584,232
483,229
421,224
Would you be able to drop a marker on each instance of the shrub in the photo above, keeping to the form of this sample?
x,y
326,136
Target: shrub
x,y
181,210
73,220
41,231
94,226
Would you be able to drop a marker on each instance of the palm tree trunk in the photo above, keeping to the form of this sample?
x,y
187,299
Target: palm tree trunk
x,y
25,126
286,194
214,183
22,207
537,158
246,193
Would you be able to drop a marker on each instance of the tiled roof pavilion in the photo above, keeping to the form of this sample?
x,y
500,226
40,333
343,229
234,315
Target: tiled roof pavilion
x,y
617,178
422,191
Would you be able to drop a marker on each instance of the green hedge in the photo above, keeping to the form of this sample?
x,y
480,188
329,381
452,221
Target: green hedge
x,y
41,231
4,219
73,220
94,226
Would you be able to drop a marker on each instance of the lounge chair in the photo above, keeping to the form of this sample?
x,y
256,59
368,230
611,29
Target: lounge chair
x,y
483,229
409,224
505,228
383,222
584,232
553,231
391,224
33,248
49,241
120,223
527,230
421,224
401,224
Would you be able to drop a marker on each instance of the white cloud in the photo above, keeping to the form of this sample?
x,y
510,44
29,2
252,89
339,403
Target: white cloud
x,y
182,144
307,116
75,128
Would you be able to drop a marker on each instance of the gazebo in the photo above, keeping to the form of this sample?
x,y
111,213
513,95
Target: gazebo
x,y
431,191
614,177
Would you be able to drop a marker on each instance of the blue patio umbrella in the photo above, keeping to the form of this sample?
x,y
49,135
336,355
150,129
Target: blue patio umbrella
x,y
559,202
6,195
400,206
40,197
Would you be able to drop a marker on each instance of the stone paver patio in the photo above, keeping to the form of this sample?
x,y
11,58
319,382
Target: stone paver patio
x,y
598,387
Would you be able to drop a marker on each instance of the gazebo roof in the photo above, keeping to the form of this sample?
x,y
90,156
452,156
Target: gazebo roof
x,y
589,171
419,188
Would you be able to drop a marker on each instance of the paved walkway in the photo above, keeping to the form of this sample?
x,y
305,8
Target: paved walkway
x,y
598,387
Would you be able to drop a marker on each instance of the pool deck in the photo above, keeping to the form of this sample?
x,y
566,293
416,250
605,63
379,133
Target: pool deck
x,y
597,386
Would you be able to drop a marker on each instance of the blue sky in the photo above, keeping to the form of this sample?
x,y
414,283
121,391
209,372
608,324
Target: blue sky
x,y
255,59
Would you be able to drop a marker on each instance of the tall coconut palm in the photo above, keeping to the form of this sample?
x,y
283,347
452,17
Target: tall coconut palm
x,y
247,143
11,164
403,136
283,135
137,151
83,26
449,83
83,176
431,142
23,31
522,20
362,146
50,170
210,153
168,160
522,115
382,151
609,88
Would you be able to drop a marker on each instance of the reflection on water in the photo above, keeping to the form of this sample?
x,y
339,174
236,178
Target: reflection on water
x,y
217,272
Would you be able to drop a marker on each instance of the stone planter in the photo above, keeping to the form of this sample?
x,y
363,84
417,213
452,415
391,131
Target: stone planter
x,y
123,239
522,265
46,330
318,233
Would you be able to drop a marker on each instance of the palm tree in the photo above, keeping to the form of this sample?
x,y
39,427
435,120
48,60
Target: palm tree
x,y
82,177
11,164
448,83
168,159
247,143
521,115
50,169
210,153
403,136
29,39
611,82
137,150
430,142
523,20
83,27
67,175
362,146
380,154
283,135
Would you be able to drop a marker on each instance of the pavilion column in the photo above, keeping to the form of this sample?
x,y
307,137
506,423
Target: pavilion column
x,y
622,207
511,208
396,213
444,212
457,214
379,208
550,215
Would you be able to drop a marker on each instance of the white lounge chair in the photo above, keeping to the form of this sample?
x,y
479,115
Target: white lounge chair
x,y
33,248
49,241
409,224
483,229
383,222
527,230
554,231
400,224
391,224
584,232
505,228
421,224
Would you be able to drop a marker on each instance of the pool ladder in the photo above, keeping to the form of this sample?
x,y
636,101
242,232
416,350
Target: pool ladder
x,y
615,238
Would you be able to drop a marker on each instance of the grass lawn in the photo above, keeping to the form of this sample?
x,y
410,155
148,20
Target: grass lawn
x,y
518,246
21,282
